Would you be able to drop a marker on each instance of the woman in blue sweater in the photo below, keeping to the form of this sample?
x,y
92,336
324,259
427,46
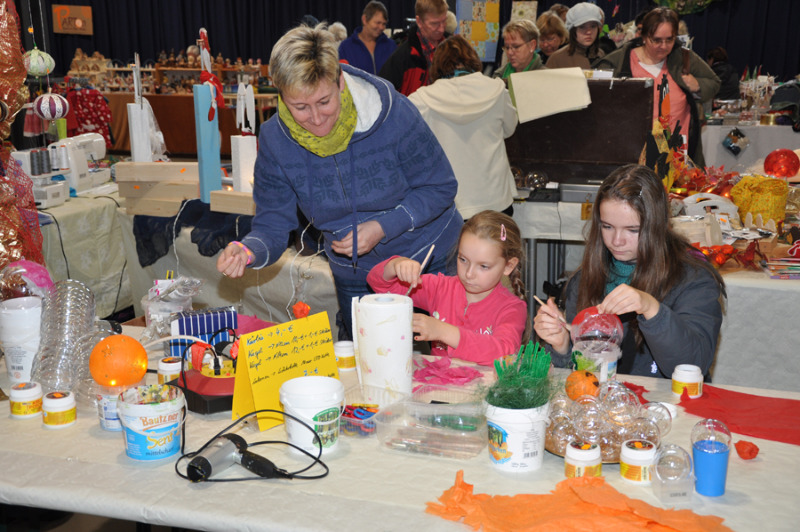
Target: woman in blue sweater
x,y
359,162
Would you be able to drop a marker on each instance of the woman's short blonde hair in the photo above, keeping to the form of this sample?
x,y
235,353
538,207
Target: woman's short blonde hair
x,y
523,27
304,57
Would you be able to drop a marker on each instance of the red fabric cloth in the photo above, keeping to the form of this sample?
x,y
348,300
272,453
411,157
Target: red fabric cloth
x,y
638,390
769,418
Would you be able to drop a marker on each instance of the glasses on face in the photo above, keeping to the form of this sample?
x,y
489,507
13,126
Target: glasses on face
x,y
550,39
514,47
658,42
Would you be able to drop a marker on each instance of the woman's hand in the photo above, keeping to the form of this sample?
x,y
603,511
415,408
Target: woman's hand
x,y
232,261
691,82
369,234
624,299
429,329
550,328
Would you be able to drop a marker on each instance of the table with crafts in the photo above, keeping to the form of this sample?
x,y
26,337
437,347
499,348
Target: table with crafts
x,y
763,141
83,468
82,240
759,314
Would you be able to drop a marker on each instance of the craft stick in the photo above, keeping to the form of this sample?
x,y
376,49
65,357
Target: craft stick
x,y
422,266
567,326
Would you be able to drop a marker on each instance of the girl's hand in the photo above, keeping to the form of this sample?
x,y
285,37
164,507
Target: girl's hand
x,y
550,328
429,329
232,261
404,269
369,234
625,298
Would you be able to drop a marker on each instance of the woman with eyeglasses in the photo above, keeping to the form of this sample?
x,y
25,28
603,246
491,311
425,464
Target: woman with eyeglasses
x,y
689,79
552,34
584,21
520,38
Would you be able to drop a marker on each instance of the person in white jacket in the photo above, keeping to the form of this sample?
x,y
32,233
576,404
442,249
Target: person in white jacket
x,y
471,116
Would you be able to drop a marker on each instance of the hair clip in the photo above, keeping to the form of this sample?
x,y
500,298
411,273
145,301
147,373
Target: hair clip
x,y
503,232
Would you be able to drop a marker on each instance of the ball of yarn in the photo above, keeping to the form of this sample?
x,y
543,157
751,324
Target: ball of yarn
x,y
50,106
38,63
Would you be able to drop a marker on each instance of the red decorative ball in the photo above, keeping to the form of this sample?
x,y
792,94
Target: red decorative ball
x,y
782,163
50,106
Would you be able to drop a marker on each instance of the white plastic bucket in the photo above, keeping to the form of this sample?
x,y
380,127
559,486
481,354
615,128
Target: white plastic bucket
x,y
318,402
516,437
20,324
151,418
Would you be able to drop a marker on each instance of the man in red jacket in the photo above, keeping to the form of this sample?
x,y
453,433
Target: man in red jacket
x,y
407,67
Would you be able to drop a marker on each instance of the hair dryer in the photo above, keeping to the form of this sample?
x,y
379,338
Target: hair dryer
x,y
223,452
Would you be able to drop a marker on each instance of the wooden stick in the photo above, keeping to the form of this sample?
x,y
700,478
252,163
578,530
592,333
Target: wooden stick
x,y
567,326
422,266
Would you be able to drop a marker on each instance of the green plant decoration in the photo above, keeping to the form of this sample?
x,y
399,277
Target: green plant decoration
x,y
524,383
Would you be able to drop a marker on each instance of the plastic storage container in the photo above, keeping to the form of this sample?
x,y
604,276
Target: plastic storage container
x,y
25,400
582,459
59,410
636,459
436,420
169,369
689,377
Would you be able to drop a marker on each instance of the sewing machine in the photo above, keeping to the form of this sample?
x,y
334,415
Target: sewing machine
x,y
80,150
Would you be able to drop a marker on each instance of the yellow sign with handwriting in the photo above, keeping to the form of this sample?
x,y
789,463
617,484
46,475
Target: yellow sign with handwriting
x,y
272,356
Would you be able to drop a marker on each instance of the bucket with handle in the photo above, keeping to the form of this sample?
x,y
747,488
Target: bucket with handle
x,y
152,418
318,402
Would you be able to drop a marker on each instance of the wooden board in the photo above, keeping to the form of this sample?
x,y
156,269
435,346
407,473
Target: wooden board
x,y
164,190
152,206
232,202
181,171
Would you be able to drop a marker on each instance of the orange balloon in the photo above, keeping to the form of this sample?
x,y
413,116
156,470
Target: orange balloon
x,y
118,360
581,382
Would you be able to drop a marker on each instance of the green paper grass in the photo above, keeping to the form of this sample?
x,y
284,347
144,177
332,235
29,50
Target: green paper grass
x,y
523,383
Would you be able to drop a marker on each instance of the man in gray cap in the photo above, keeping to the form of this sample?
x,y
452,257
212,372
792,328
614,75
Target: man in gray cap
x,y
584,21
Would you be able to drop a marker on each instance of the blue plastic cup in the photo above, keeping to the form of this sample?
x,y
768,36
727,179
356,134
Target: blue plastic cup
x,y
711,443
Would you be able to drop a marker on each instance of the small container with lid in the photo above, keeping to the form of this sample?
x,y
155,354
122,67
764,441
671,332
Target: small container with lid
x,y
582,459
689,377
26,400
59,410
636,458
345,355
169,369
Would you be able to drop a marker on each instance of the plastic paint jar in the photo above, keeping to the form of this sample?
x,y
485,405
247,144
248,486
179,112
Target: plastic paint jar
x,y
636,460
59,410
582,459
169,368
689,377
345,355
26,400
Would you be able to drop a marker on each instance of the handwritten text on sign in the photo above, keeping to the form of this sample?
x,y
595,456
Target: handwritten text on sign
x,y
270,357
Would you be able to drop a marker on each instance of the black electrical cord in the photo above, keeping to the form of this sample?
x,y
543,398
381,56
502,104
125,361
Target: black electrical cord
x,y
124,265
61,242
281,473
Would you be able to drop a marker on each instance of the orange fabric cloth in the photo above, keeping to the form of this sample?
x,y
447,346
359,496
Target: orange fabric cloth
x,y
576,504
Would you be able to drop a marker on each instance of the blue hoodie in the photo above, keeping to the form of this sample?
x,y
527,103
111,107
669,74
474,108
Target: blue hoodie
x,y
393,171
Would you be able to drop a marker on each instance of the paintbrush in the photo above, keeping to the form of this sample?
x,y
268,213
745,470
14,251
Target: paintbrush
x,y
422,266
567,326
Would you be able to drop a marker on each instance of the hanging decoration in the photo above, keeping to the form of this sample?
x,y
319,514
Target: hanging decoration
x,y
50,106
13,91
207,76
3,111
685,7
38,63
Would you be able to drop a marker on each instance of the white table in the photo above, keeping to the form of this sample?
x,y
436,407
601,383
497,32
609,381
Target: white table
x,y
84,469
89,233
763,140
756,346
264,293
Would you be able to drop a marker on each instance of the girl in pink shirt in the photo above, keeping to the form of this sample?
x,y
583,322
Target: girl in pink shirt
x,y
472,315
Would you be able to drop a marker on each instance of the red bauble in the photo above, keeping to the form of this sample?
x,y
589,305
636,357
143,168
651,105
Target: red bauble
x,y
50,106
782,163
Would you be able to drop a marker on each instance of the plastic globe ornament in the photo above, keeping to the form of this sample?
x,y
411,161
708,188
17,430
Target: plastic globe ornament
x,y
560,407
782,163
660,415
50,106
563,433
622,406
610,386
672,463
589,417
118,360
610,444
644,429
38,63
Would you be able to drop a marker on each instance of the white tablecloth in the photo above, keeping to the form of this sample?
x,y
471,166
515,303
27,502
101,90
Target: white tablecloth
x,y
763,140
756,346
85,469
92,242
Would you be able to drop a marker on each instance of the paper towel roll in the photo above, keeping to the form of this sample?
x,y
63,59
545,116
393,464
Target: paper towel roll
x,y
243,160
383,341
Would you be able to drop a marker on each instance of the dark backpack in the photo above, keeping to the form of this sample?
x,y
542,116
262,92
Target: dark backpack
x,y
787,97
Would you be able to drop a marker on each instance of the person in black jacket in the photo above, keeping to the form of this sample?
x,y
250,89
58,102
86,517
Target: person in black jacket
x,y
718,61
